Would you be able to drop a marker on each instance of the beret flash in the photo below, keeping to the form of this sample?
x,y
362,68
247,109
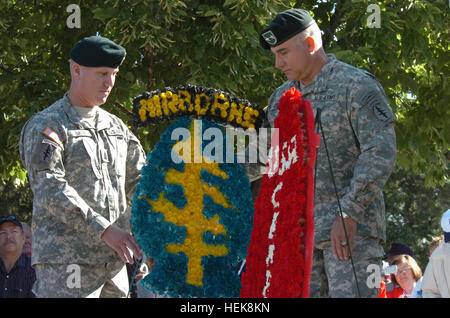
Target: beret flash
x,y
97,51
285,25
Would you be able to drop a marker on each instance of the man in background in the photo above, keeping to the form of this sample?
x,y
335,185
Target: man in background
x,y
16,274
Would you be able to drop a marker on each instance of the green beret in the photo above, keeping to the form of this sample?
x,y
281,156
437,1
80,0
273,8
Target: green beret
x,y
285,25
97,51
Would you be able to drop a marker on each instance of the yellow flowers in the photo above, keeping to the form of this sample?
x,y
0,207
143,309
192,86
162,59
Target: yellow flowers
x,y
192,216
200,102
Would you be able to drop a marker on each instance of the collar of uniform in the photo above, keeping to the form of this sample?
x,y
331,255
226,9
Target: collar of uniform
x,y
73,115
103,121
320,81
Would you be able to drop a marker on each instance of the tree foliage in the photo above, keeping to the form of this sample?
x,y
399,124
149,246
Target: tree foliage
x,y
168,42
215,43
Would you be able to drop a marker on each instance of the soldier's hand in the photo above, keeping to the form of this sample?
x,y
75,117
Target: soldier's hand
x,y
123,243
338,241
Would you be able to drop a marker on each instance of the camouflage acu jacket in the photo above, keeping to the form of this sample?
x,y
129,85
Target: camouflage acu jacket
x,y
82,179
358,127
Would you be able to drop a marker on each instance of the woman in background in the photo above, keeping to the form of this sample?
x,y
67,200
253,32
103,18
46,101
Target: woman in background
x,y
408,279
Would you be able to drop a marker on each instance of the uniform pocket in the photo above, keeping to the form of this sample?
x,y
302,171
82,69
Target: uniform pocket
x,y
80,144
117,139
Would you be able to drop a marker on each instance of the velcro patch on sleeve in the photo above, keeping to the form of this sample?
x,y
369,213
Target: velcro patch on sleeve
x,y
374,100
47,150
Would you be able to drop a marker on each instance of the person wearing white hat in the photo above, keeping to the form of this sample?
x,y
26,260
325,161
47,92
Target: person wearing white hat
x,y
436,280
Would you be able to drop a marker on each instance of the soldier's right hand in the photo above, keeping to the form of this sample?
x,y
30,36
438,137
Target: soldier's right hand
x,y
338,238
123,243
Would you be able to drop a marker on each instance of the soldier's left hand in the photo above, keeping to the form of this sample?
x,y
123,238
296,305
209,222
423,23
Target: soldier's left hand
x,y
339,246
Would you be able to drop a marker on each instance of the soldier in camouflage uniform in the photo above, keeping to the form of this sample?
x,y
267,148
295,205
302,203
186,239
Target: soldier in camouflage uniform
x,y
83,165
358,130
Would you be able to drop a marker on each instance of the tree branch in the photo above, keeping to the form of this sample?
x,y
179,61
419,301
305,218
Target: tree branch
x,y
6,70
149,51
123,109
128,114
335,21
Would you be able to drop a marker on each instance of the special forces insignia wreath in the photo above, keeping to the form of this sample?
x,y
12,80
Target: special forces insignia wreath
x,y
193,214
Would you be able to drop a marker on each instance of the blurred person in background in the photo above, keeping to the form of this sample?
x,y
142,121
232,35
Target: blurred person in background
x,y
408,279
435,242
16,274
436,281
397,249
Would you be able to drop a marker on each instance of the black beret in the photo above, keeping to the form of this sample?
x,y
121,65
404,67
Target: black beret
x,y
97,51
285,25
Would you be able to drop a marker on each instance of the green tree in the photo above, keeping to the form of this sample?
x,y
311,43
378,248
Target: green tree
x,y
168,42
215,43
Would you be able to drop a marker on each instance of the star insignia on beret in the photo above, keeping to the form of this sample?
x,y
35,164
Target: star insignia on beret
x,y
270,37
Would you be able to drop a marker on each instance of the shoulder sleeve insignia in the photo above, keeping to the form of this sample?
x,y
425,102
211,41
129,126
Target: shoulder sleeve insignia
x,y
374,100
47,150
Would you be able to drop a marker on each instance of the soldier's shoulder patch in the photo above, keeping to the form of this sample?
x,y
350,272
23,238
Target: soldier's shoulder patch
x,y
50,133
374,99
47,150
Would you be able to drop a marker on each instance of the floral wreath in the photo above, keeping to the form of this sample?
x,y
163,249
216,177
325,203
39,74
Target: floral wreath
x,y
195,101
189,217
279,257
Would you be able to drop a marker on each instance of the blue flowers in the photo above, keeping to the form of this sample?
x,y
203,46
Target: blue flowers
x,y
193,219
